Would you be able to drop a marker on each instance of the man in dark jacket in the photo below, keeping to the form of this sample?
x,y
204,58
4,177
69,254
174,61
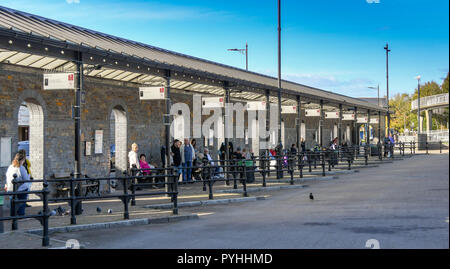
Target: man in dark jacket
x,y
176,155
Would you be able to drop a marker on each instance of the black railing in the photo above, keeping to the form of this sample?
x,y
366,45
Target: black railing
x,y
240,169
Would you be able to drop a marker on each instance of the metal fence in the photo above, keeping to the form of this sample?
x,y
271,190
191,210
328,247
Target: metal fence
x,y
240,171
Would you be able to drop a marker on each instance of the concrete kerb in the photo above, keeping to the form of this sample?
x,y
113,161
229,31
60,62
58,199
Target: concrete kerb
x,y
114,224
206,202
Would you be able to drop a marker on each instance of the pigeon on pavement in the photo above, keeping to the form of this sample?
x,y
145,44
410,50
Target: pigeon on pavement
x,y
311,196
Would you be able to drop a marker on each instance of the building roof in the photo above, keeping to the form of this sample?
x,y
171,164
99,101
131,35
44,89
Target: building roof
x,y
52,32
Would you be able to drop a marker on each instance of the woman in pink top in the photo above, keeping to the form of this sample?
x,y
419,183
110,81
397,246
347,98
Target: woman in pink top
x,y
144,165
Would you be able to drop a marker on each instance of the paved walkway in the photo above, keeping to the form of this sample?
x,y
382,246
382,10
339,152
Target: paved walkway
x,y
194,192
403,205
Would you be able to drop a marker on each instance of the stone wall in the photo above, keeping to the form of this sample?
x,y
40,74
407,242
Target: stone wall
x,y
51,110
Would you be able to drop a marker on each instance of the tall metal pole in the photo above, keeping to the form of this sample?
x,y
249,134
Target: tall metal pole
x,y
77,118
279,75
299,123
340,126
378,98
356,127
379,126
246,56
387,87
321,124
167,131
227,150
419,125
280,146
368,128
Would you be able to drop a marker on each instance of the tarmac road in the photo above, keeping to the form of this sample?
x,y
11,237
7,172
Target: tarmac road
x,y
404,204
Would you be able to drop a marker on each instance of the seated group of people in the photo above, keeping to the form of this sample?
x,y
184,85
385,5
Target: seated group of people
x,y
144,168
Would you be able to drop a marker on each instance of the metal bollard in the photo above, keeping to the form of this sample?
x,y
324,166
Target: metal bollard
x,y
13,204
264,173
210,182
300,165
309,162
323,164
244,181
125,198
440,146
349,160
426,147
73,218
366,159
45,216
133,187
204,181
291,170
175,195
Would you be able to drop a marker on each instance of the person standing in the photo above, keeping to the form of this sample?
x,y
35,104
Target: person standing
x,y
134,162
27,165
187,157
133,156
176,156
17,168
303,144
293,150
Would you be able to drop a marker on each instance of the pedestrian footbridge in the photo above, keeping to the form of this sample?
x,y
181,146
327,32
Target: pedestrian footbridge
x,y
431,102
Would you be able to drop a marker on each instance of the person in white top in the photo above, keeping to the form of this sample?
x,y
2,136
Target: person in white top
x,y
133,156
17,168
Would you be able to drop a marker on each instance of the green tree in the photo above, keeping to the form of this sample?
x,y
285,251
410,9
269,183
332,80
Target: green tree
x,y
427,89
401,105
444,85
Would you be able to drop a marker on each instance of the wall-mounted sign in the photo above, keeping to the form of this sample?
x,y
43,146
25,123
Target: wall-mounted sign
x,y
5,151
312,112
348,116
152,93
373,120
260,105
88,148
59,81
211,102
288,109
331,115
98,142
361,120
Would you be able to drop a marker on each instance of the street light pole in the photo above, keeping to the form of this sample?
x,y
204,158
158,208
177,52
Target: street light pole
x,y
387,87
280,173
419,125
243,51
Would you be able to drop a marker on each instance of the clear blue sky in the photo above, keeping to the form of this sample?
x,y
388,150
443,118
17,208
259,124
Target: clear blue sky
x,y
333,45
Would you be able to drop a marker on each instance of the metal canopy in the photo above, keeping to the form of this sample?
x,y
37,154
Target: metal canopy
x,y
33,41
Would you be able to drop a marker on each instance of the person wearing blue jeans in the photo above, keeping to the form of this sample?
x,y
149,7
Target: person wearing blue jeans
x,y
187,157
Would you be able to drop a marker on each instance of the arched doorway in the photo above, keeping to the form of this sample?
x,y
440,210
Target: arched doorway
x,y
31,136
118,140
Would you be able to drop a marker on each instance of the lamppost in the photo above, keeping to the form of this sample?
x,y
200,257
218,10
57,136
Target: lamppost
x,y
387,87
419,125
245,52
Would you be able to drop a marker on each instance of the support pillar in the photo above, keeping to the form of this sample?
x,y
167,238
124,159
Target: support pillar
x,y
368,131
298,122
428,115
226,141
355,127
166,121
77,118
340,126
321,124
